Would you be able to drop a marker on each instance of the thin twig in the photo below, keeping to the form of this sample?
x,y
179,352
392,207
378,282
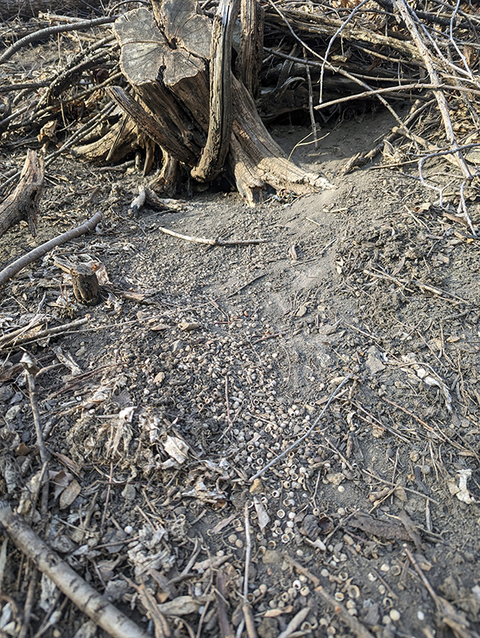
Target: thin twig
x,y
9,341
211,242
355,625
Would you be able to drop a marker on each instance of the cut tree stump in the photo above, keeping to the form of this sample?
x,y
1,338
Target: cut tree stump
x,y
22,204
186,98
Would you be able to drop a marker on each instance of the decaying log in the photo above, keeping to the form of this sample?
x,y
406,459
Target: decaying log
x,y
166,58
250,55
120,139
216,147
166,180
22,204
84,280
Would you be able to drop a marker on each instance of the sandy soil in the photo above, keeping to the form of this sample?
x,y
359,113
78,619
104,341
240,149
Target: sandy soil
x,y
228,361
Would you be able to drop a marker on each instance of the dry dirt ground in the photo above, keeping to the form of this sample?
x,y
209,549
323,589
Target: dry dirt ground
x,y
229,359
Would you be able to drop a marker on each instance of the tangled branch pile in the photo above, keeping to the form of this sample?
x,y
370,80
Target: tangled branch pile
x,y
179,84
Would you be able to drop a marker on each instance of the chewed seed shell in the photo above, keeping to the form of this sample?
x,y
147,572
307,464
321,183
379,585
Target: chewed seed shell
x,y
281,514
306,627
305,591
285,538
297,584
343,576
396,570
353,592
339,596
271,545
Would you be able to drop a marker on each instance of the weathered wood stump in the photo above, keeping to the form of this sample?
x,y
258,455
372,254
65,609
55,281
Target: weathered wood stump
x,y
22,204
187,99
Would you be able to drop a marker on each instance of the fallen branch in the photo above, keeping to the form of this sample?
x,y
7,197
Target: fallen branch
x,y
210,242
87,599
404,11
43,33
17,337
18,265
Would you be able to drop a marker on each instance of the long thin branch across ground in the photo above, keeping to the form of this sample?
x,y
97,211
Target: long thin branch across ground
x,y
108,617
18,265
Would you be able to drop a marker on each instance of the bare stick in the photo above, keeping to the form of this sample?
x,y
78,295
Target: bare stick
x,y
28,607
404,10
11,340
43,33
87,599
371,92
307,433
295,623
247,610
18,265
32,369
211,242
226,630
355,625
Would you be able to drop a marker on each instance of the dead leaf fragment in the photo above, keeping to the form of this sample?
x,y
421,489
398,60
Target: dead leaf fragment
x,y
181,606
176,448
69,494
256,487
187,326
461,490
263,517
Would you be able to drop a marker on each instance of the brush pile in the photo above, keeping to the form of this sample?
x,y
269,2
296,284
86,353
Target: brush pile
x,y
193,96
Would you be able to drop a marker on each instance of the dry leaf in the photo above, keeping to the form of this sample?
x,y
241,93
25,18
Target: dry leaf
x,y
69,494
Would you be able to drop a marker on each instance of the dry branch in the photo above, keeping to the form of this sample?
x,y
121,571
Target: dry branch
x,y
87,599
44,33
18,265
404,10
212,242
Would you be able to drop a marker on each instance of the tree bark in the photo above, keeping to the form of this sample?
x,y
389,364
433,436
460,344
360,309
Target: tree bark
x,y
189,102
22,204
